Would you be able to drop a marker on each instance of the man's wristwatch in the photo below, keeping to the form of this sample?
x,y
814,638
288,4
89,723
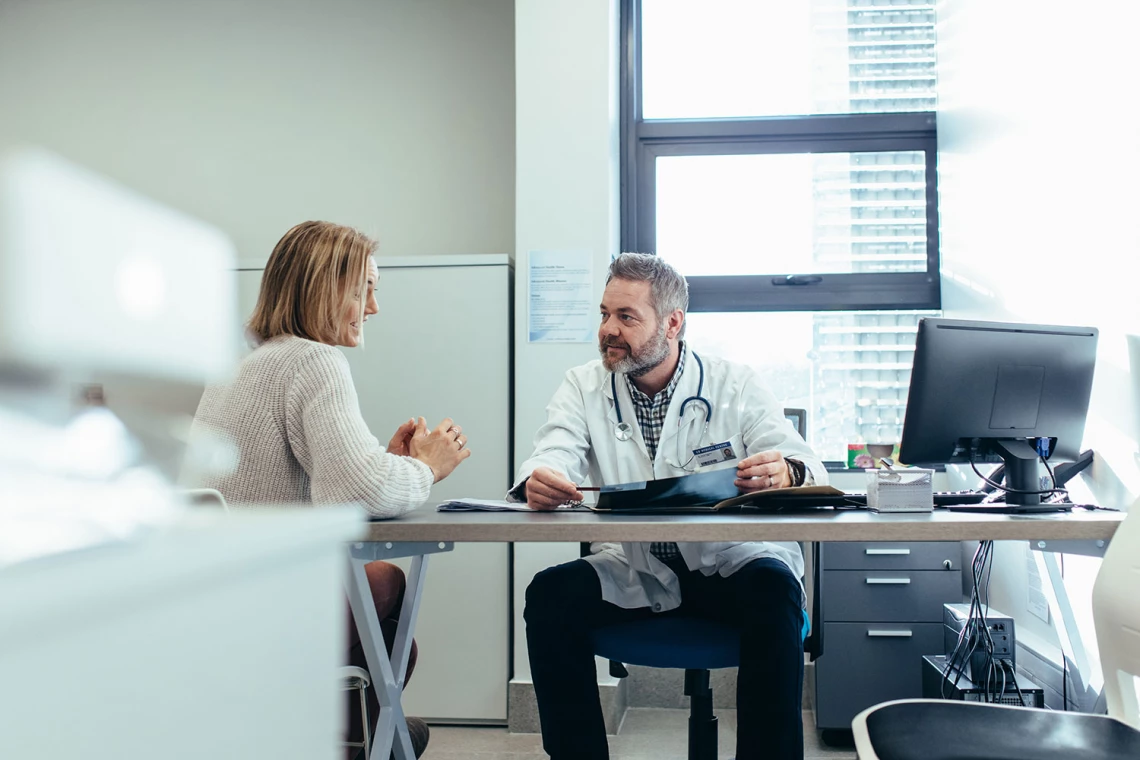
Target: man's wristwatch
x,y
796,471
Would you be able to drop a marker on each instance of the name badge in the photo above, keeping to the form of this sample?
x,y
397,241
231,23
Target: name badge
x,y
715,454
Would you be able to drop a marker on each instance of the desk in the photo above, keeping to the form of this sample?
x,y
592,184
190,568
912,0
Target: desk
x,y
426,531
426,525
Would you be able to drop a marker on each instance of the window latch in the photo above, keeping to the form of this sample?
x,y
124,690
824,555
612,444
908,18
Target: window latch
x,y
798,279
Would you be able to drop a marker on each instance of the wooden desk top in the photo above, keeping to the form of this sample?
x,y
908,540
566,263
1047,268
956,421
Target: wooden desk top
x,y
425,524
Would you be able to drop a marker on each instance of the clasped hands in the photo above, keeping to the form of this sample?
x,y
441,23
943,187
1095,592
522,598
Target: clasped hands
x,y
548,489
441,449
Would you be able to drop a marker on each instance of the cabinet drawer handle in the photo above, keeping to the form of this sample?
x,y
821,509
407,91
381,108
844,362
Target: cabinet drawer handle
x,y
880,552
888,581
889,634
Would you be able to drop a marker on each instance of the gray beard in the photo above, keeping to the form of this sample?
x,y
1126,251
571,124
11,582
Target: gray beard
x,y
636,364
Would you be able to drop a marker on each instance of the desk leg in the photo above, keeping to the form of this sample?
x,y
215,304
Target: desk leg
x,y
391,730
1087,677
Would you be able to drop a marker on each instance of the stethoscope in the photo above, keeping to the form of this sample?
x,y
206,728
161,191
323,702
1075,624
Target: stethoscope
x,y
623,431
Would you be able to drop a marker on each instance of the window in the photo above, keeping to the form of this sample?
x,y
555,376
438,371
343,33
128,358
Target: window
x,y
781,156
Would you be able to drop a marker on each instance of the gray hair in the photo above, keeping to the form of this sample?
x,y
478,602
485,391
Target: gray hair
x,y
668,289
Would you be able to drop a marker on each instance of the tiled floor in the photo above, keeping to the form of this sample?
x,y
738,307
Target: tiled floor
x,y
646,734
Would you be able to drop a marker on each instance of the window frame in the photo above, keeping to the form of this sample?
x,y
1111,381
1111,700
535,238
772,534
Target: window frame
x,y
642,142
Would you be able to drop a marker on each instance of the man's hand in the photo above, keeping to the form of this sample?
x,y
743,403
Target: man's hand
x,y
548,489
762,471
399,443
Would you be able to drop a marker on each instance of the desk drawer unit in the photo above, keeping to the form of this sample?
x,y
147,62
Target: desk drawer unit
x,y
882,611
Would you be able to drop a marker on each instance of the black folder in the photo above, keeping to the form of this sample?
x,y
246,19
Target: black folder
x,y
711,491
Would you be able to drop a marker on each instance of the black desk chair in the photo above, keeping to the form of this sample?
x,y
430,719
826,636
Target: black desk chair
x,y
933,729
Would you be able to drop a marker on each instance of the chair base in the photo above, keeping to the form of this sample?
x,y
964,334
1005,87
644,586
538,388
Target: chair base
x,y
841,738
702,721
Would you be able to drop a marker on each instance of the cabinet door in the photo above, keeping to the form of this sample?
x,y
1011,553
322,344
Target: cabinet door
x,y
440,347
868,663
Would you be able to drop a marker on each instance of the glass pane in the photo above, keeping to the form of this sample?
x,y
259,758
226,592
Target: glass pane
x,y
725,58
851,371
786,57
793,213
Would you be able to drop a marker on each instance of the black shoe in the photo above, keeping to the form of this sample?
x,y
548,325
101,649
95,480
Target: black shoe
x,y
419,733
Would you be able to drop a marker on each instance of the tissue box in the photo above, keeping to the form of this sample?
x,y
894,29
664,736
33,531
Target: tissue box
x,y
909,490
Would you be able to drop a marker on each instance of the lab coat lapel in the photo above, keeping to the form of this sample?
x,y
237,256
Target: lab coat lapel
x,y
627,411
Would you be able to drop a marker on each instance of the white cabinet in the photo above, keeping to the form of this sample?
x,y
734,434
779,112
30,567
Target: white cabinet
x,y
441,347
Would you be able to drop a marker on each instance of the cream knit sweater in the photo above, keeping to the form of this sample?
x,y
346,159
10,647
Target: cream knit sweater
x,y
293,415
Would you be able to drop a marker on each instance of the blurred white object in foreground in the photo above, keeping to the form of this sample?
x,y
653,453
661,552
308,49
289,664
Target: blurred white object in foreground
x,y
219,636
70,487
94,277
130,625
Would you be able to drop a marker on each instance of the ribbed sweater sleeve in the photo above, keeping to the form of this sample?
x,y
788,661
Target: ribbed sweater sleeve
x,y
331,441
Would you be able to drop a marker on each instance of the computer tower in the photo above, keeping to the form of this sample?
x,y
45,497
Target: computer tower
x,y
955,617
938,684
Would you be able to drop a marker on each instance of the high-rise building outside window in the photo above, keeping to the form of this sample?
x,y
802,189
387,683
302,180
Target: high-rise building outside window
x,y
781,156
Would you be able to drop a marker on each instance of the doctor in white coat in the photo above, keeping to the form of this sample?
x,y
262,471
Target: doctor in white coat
x,y
653,407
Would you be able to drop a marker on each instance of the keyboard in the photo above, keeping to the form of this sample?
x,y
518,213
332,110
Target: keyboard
x,y
1001,508
945,498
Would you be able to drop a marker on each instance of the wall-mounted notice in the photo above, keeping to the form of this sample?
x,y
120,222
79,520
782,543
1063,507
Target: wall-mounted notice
x,y
560,297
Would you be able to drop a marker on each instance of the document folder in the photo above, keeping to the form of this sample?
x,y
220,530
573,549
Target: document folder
x,y
700,492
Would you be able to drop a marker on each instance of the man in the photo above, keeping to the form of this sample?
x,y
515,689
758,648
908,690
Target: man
x,y
678,402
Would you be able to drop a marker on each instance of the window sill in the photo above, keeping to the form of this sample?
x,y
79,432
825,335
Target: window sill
x,y
842,467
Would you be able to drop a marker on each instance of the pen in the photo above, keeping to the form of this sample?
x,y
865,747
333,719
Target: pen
x,y
589,488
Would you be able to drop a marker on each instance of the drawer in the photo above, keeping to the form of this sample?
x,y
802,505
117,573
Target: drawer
x,y
867,663
891,555
854,596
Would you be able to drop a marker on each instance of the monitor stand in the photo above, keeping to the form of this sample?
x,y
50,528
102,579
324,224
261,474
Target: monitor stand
x,y
1021,471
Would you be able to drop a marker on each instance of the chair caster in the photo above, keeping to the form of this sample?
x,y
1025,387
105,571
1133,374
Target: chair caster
x,y
838,737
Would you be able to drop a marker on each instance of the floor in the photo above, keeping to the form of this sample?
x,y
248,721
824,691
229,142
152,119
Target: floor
x,y
646,734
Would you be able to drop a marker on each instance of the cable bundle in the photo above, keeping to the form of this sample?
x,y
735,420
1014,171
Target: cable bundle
x,y
975,645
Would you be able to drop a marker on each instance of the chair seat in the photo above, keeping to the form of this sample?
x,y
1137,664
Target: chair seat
x,y
351,673
951,730
670,642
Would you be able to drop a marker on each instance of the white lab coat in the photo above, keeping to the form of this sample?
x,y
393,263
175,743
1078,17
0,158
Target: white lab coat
x,y
578,440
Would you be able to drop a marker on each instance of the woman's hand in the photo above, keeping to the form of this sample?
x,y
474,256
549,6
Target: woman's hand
x,y
399,443
442,449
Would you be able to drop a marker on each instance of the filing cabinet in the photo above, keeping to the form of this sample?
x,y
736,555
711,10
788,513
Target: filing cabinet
x,y
881,610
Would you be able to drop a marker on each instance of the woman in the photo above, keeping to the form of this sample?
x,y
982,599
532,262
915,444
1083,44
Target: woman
x,y
292,410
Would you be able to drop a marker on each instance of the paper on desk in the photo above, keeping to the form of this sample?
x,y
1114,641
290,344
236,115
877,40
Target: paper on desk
x,y
490,505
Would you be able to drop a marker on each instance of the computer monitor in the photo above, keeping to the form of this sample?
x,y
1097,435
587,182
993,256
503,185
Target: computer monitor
x,y
985,391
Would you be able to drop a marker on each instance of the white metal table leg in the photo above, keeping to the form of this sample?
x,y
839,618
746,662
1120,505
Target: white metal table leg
x,y
391,729
1087,677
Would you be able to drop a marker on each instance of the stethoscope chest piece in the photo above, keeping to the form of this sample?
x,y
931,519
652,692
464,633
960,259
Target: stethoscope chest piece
x,y
623,431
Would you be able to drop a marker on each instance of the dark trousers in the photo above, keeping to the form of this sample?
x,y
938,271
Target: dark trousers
x,y
564,603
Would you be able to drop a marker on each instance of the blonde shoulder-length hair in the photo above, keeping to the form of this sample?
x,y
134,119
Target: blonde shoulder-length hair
x,y
313,269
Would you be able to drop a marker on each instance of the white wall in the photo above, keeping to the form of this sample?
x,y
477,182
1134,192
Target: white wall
x,y
396,116
567,199
1037,164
